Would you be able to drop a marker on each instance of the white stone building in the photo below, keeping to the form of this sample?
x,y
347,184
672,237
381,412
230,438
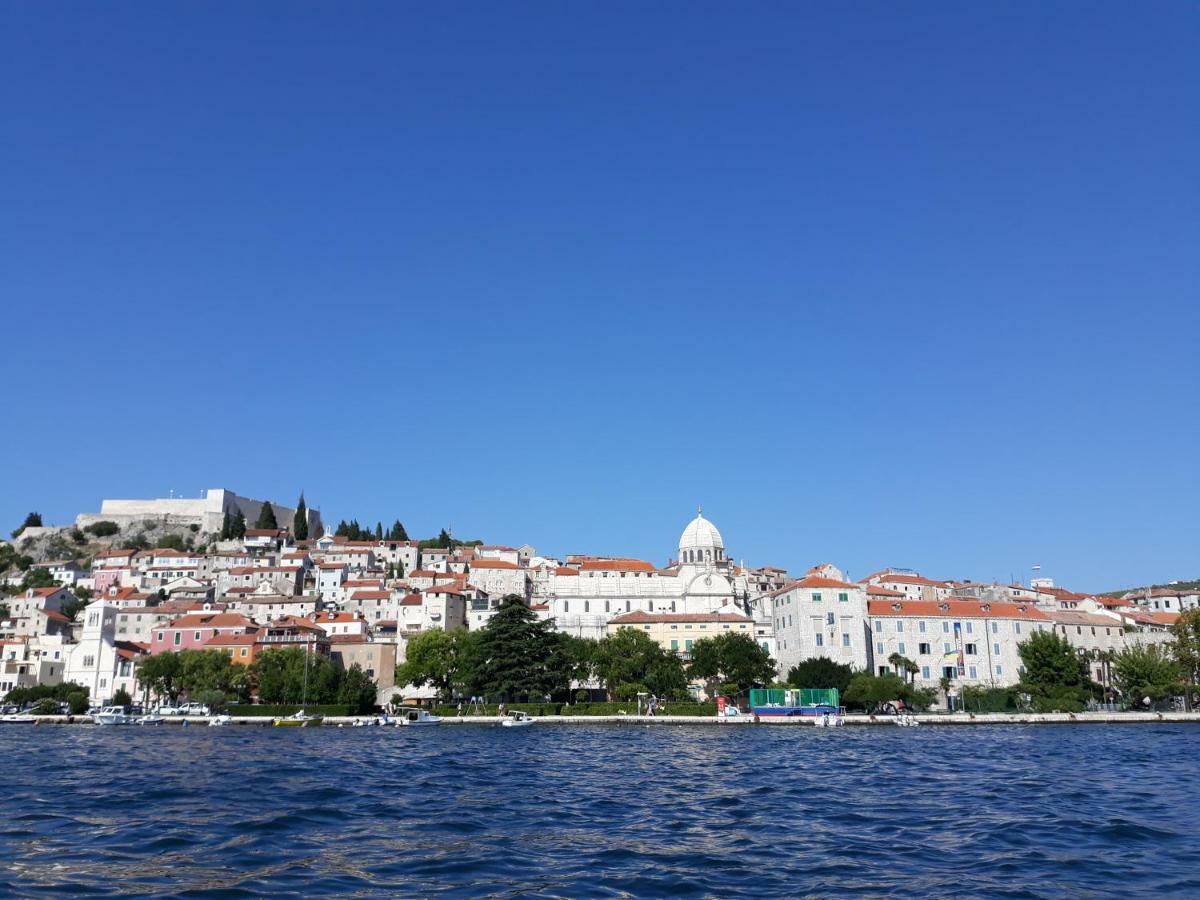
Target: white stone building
x,y
818,616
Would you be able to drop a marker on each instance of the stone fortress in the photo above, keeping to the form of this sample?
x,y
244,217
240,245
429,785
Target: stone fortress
x,y
207,512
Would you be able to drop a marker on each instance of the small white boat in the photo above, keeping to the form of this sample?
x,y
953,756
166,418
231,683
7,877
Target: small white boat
x,y
113,715
299,720
223,719
417,717
151,720
518,719
905,720
825,720
18,719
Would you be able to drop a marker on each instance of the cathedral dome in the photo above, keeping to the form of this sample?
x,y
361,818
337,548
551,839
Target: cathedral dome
x,y
701,542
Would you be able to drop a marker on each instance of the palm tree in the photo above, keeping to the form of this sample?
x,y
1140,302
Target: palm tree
x,y
904,667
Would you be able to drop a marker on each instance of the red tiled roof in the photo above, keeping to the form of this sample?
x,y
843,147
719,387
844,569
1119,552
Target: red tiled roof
x,y
617,565
493,564
370,595
959,609
639,618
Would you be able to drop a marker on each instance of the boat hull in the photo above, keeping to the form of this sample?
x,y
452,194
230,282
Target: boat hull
x,y
786,712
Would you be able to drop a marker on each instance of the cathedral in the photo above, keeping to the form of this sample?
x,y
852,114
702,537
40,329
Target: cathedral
x,y
586,592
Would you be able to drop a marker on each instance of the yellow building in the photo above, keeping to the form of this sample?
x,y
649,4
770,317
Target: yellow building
x,y
679,631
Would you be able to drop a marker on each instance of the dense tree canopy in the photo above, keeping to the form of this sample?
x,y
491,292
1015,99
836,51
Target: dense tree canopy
x,y
32,520
1056,676
266,517
731,658
300,520
630,657
821,672
1145,673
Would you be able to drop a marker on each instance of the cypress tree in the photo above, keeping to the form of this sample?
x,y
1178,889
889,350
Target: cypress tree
x,y
238,530
266,517
397,532
300,520
379,531
342,529
226,527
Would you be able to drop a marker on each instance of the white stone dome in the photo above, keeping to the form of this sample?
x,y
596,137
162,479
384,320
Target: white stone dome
x,y
700,534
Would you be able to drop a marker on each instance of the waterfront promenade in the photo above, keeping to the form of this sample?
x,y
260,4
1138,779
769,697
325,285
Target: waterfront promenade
x,y
948,719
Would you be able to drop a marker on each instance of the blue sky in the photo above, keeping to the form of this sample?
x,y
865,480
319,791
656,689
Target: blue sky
x,y
882,285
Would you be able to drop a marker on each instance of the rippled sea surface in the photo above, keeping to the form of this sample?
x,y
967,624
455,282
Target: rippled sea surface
x,y
557,810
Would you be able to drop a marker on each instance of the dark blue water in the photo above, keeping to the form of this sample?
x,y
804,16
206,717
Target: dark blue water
x,y
602,810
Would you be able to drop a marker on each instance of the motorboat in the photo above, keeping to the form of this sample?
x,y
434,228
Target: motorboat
x,y
906,720
223,719
298,720
113,715
518,719
152,719
827,720
419,717
18,719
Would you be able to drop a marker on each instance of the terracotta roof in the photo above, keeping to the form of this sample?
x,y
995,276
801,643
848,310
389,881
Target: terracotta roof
x,y
412,600
617,565
814,582
493,564
246,637
210,620
370,595
640,617
1075,617
957,609
566,571
877,591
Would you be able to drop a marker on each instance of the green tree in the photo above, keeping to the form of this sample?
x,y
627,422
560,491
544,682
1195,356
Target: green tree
x,y
357,690
77,702
513,653
159,674
1056,677
82,597
280,676
631,657
1186,631
879,692
821,672
379,531
237,530
266,517
437,658
103,528
731,658
1146,673
397,532
38,578
122,698
226,526
171,542
203,671
300,520
32,520
904,667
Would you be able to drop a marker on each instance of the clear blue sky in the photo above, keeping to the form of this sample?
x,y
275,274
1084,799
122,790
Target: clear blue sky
x,y
879,284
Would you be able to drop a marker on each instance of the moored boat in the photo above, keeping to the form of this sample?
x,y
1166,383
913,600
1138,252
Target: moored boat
x,y
113,715
416,717
152,719
223,719
300,719
518,719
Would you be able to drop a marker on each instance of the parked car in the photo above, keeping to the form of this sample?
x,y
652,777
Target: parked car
x,y
194,709
166,710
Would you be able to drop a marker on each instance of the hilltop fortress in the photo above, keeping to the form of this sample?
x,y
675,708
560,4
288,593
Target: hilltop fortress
x,y
207,512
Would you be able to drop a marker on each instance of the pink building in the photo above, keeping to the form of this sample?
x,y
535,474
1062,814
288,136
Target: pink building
x,y
192,632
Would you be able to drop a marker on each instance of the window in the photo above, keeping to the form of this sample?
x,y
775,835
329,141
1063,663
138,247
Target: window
x,y
843,598
922,649
566,607
878,627
245,651
925,672
998,670
830,619
971,671
995,627
89,661
970,649
845,640
1017,627
996,649
921,626
816,598
945,628
674,627
949,671
587,605
178,638
820,639
879,648
968,628
899,626
674,644
946,647
687,645
902,650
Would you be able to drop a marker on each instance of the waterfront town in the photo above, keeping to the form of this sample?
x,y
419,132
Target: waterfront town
x,y
93,603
